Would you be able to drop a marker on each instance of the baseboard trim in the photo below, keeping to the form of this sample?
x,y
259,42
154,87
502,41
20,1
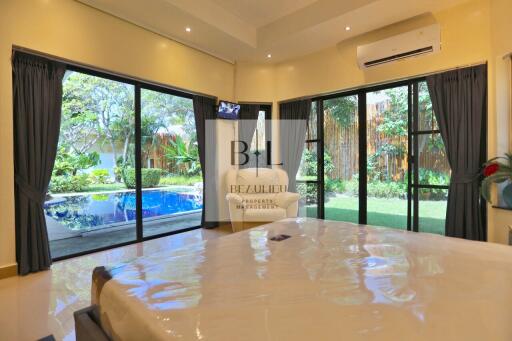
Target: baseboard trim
x,y
224,226
8,271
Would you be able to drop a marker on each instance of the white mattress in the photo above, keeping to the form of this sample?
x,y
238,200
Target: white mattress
x,y
329,281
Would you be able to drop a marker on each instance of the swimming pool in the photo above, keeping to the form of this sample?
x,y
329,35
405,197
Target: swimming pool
x,y
91,211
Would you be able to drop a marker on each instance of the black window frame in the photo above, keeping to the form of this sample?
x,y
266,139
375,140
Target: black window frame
x,y
138,86
267,108
414,133
318,141
414,186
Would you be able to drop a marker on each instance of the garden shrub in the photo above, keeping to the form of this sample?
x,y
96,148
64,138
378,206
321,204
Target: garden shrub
x,y
100,176
184,154
118,173
328,164
128,175
378,189
309,163
307,192
333,185
434,178
387,189
352,187
329,185
69,163
150,177
69,183
341,186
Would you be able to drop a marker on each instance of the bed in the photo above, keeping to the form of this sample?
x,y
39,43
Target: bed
x,y
307,279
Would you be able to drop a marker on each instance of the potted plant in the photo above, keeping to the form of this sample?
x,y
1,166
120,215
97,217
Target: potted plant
x,y
498,170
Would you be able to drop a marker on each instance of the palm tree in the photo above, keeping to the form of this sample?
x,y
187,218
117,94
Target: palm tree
x,y
183,154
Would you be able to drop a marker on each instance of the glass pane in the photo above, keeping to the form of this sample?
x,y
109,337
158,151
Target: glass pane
x,y
308,203
311,133
88,204
171,173
432,210
433,163
258,140
426,118
258,143
387,129
341,159
308,169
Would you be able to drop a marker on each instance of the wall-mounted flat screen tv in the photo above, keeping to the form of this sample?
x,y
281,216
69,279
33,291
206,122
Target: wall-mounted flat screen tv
x,y
228,110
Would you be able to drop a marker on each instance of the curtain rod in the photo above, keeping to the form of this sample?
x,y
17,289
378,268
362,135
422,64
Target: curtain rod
x,y
257,103
16,48
380,83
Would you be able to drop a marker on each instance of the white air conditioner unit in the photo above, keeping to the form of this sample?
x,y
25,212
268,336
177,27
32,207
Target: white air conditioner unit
x,y
415,43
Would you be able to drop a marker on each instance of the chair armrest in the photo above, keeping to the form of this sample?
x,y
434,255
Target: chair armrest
x,y
285,199
234,198
236,211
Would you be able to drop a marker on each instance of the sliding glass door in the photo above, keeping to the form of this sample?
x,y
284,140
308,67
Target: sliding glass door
x,y
383,160
308,176
171,173
387,149
84,208
127,165
341,158
431,176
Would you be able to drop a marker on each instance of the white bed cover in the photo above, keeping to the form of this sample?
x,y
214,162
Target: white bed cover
x,y
328,281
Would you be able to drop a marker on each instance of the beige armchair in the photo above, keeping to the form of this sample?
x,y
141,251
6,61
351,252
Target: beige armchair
x,y
258,196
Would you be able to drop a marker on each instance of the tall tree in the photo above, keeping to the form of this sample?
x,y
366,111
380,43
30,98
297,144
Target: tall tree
x,y
98,108
165,114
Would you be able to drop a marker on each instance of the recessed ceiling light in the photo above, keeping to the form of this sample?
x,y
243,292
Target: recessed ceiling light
x,y
188,29
347,28
269,55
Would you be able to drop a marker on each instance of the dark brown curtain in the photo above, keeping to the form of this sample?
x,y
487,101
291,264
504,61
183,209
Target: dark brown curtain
x,y
292,125
205,114
459,101
37,91
248,119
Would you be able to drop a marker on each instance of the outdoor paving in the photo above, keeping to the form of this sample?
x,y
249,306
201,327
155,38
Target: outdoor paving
x,y
108,237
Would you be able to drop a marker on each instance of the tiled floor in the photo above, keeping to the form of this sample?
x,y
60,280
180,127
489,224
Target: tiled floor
x,y
43,303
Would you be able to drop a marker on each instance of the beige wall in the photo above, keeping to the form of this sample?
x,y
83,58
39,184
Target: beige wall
x,y
74,31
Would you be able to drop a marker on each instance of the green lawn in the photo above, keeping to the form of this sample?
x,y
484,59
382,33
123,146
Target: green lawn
x,y
180,180
386,212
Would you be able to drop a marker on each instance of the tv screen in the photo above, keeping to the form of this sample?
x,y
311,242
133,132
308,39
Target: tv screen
x,y
228,110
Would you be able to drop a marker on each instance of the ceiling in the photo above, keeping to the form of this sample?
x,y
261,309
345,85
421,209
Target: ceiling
x,y
262,12
249,30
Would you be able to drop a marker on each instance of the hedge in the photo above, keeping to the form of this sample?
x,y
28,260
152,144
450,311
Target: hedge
x,y
150,177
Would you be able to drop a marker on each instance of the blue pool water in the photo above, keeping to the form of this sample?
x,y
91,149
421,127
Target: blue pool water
x,y
87,211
